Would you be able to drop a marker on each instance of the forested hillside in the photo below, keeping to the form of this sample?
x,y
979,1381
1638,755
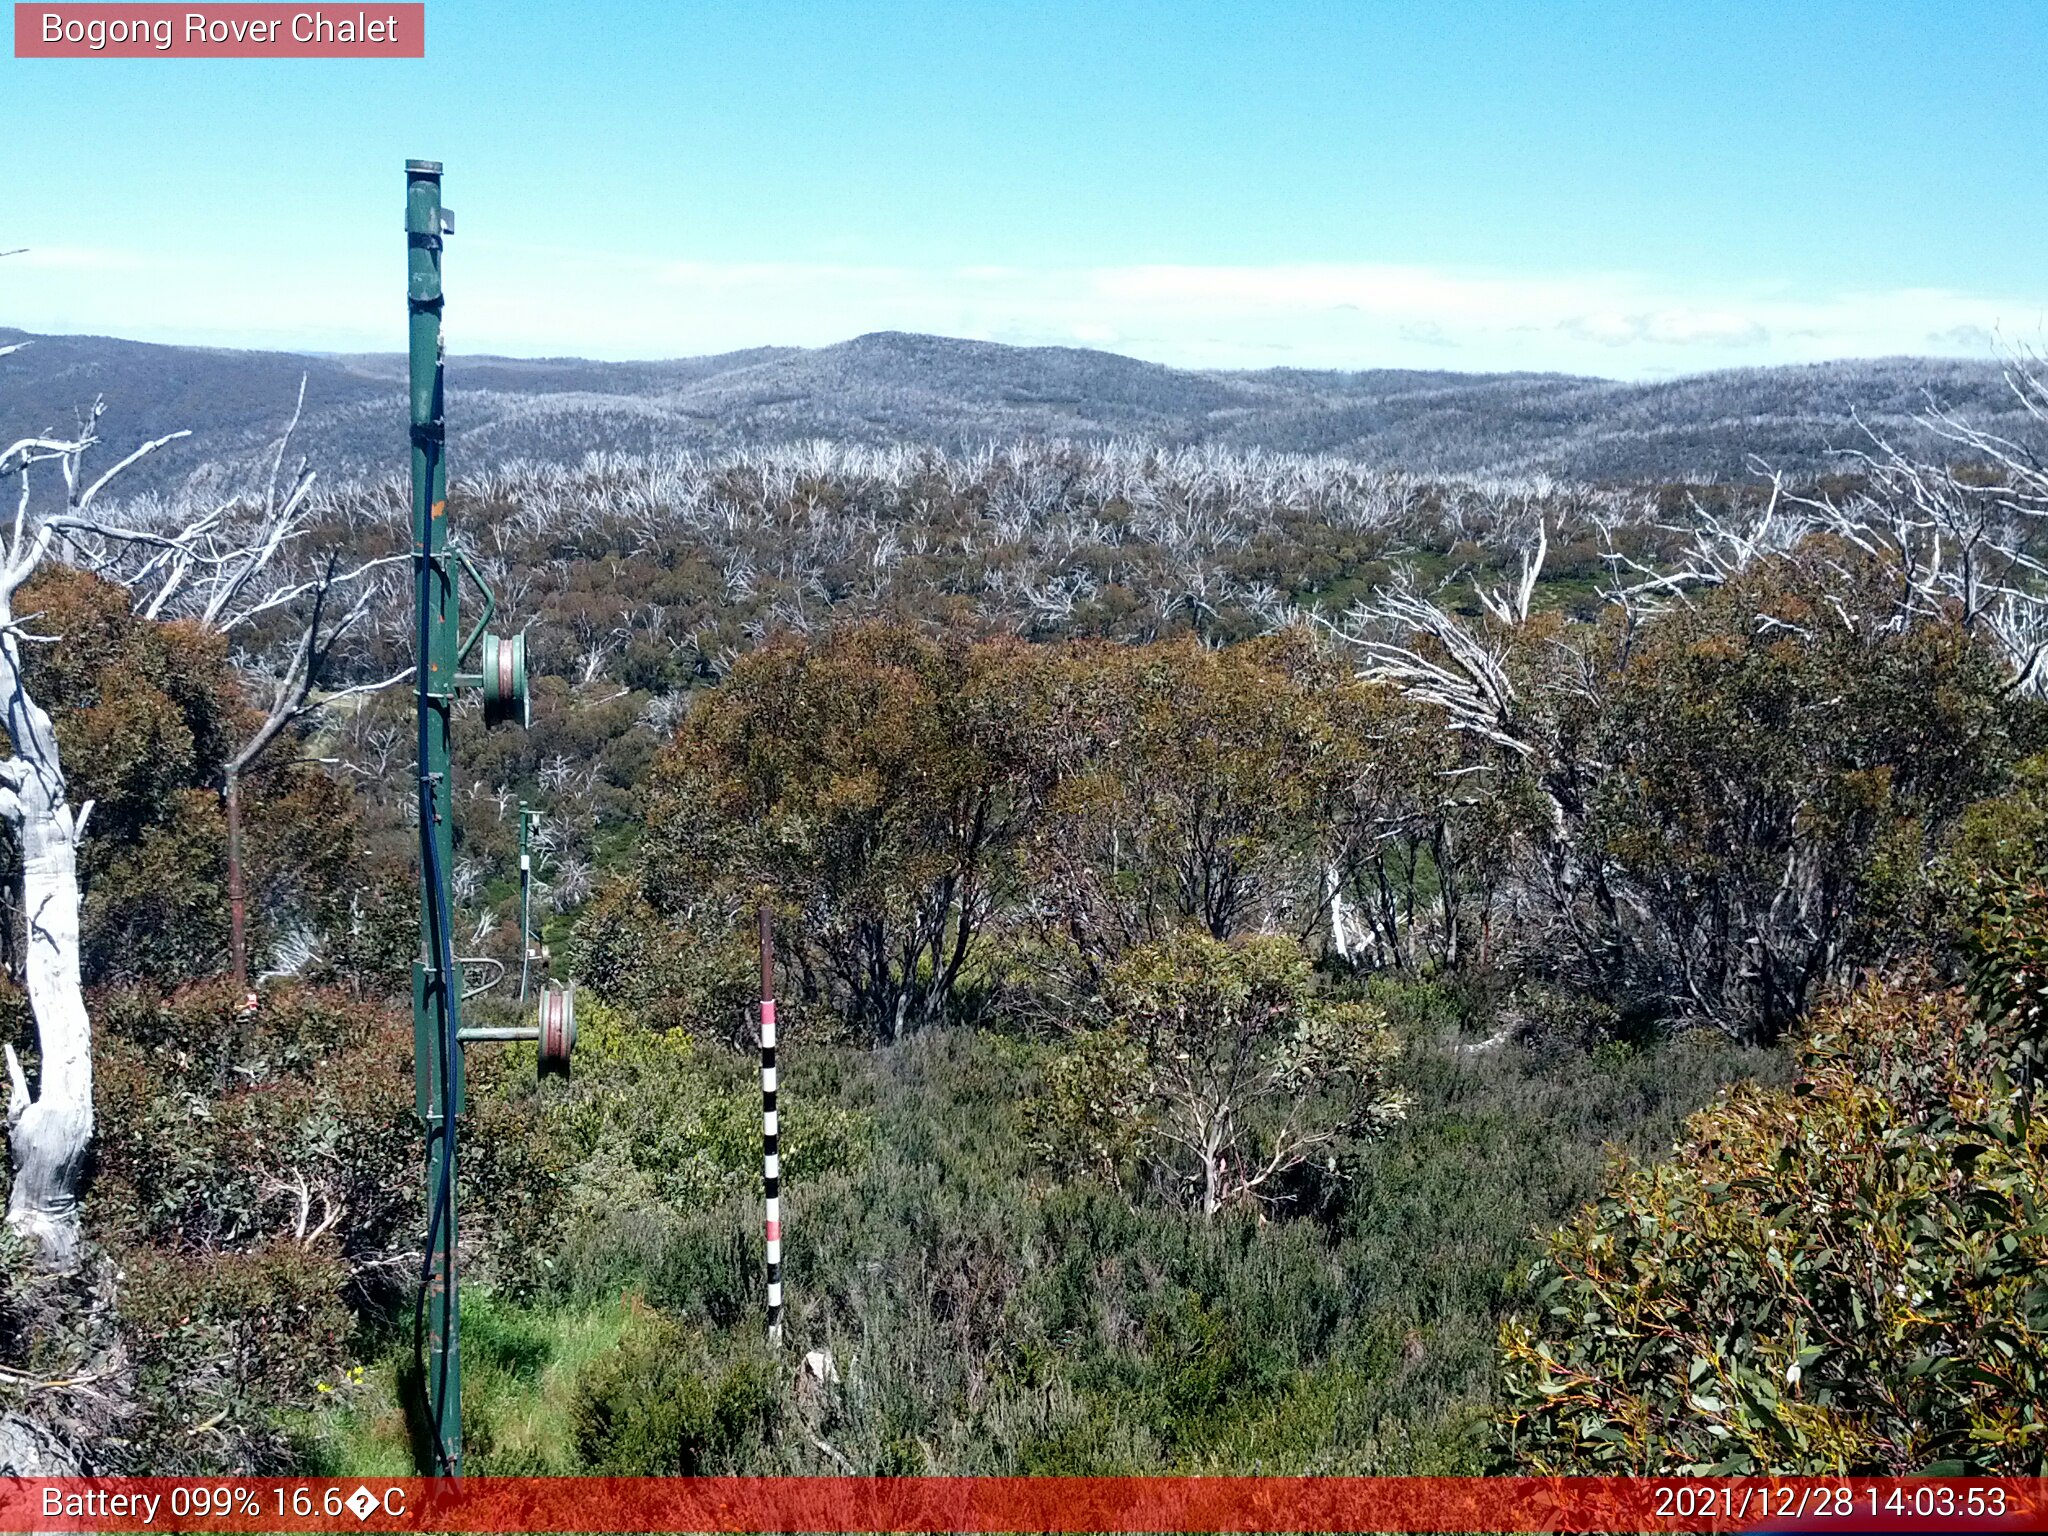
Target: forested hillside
x,y
1253,930
889,388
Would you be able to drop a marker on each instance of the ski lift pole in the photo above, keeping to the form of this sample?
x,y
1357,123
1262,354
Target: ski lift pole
x,y
771,1135
439,566
437,1056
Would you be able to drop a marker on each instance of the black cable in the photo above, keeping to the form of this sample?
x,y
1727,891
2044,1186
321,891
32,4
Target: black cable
x,y
440,922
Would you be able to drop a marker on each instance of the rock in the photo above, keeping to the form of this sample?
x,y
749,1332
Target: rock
x,y
27,1449
819,1366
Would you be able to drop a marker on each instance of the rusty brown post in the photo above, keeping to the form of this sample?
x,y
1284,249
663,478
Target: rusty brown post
x,y
238,909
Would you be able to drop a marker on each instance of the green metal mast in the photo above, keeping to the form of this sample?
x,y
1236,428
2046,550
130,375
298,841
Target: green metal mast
x,y
436,991
438,566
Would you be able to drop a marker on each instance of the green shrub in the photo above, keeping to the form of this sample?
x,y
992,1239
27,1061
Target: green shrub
x,y
1224,1072
651,1118
987,1318
1851,1277
658,1405
222,1133
671,977
2007,948
255,1184
224,1345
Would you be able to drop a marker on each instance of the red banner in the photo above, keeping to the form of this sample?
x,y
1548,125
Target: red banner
x,y
1052,1504
234,31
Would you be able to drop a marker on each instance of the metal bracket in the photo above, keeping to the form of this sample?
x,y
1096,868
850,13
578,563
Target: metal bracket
x,y
493,969
490,606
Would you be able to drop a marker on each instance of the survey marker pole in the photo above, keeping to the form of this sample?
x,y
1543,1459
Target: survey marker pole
x,y
436,989
771,1133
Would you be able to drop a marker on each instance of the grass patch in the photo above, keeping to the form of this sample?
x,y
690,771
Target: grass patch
x,y
521,1366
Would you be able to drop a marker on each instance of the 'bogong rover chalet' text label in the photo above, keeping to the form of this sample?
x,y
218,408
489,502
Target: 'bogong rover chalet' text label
x,y
110,30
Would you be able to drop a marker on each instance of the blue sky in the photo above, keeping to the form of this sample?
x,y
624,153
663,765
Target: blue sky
x,y
1630,189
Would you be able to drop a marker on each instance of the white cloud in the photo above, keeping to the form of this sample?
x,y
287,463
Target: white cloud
x,y
1963,338
507,297
1669,328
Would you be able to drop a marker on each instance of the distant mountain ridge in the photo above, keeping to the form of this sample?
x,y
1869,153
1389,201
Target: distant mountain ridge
x,y
892,387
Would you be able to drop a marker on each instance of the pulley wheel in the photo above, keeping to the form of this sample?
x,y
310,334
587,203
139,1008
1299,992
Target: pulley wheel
x,y
504,680
557,1028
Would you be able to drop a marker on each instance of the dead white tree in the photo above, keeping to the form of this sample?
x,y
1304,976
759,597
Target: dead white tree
x,y
1475,675
1432,654
1511,608
50,1128
1722,546
1963,536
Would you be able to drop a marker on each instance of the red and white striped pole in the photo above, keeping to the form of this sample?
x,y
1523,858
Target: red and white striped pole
x,y
771,1153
